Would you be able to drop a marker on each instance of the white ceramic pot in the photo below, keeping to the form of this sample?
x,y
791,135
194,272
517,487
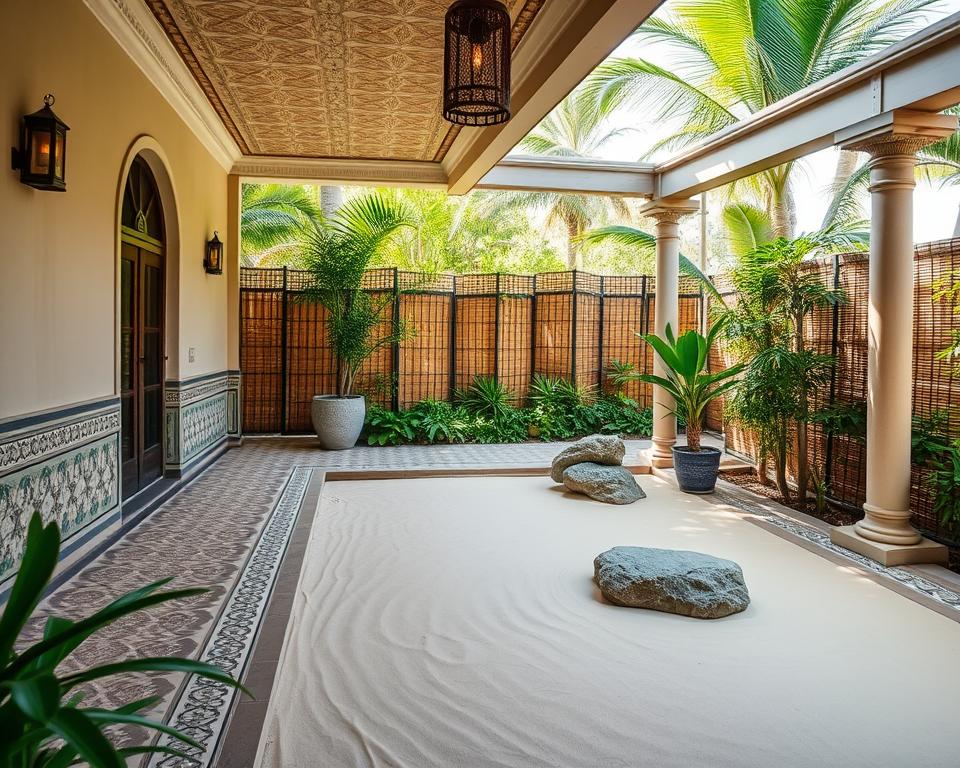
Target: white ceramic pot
x,y
338,421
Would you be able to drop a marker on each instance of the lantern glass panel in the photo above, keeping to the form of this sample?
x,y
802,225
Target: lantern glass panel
x,y
58,155
39,151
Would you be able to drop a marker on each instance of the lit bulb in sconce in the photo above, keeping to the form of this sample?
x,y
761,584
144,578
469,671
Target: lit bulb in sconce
x,y
477,57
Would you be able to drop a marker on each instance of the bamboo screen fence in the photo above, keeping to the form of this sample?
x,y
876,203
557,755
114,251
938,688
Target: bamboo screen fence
x,y
564,324
842,332
572,325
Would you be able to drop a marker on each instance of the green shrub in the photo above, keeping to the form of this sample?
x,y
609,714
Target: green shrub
x,y
388,428
440,422
486,397
511,426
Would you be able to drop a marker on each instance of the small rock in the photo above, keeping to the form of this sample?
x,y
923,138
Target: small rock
x,y
600,449
610,484
675,581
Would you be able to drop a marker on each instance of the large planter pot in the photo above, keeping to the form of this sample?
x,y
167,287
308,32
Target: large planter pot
x,y
696,470
338,421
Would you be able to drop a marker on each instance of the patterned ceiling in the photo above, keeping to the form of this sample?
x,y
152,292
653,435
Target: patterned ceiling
x,y
323,78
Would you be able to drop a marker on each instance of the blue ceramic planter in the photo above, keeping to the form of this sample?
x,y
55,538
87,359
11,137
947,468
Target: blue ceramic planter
x,y
696,470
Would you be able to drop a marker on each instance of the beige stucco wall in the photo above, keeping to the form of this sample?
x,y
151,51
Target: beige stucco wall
x,y
58,250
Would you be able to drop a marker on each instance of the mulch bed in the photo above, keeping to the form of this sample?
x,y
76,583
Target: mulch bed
x,y
832,514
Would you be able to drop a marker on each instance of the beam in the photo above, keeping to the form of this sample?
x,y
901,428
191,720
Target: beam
x,y
565,42
581,176
375,173
921,72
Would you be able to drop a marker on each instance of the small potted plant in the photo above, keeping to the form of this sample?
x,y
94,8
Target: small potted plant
x,y
336,253
693,388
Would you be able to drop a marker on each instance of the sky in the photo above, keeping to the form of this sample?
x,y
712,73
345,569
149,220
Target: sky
x,y
935,207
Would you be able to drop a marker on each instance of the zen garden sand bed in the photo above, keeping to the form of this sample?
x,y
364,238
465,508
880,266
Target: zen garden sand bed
x,y
454,622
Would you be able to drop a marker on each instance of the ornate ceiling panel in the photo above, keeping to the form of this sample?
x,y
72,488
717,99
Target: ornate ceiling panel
x,y
323,78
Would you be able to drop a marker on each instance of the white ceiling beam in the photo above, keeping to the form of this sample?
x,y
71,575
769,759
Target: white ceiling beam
x,y
566,40
592,177
921,72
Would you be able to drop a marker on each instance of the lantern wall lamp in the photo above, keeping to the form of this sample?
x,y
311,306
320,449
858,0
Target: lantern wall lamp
x,y
42,155
213,259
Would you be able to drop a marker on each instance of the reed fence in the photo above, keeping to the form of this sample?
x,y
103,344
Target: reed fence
x,y
563,324
573,325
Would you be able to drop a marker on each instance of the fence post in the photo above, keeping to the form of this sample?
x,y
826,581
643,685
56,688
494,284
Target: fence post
x,y
453,340
573,330
533,330
496,331
600,340
834,346
283,354
395,378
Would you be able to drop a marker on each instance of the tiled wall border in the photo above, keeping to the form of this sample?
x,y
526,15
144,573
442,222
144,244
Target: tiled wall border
x,y
200,414
65,464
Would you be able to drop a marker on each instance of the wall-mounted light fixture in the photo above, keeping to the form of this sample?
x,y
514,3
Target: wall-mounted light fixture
x,y
476,63
213,260
42,155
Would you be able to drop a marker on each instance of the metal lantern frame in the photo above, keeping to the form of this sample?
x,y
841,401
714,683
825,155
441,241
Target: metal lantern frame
x,y
213,257
476,63
42,155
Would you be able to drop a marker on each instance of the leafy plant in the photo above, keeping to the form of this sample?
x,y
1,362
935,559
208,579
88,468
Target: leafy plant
x,y
620,415
42,722
510,426
944,481
618,374
336,255
486,397
437,421
947,290
687,380
385,427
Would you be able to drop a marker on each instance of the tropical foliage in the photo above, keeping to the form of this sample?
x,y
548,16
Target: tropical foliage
x,y
776,293
733,58
577,128
337,254
43,723
686,378
274,219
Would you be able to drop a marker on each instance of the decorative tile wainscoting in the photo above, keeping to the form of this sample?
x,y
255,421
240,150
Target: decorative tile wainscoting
x,y
64,464
200,414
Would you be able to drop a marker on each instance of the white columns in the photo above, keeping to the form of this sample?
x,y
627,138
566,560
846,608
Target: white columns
x,y
667,215
885,533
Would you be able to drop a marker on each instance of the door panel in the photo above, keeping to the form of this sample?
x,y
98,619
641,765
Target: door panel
x,y
141,364
129,368
151,353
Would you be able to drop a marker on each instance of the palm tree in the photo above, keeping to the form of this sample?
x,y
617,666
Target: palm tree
x,y
274,219
577,128
736,57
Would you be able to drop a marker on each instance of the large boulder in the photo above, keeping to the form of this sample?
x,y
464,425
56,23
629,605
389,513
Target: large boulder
x,y
675,581
611,484
599,449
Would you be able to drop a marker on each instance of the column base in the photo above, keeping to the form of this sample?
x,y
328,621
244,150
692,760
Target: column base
x,y
888,555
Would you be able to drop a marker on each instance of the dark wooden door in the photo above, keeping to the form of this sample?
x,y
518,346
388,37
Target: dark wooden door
x,y
141,364
141,333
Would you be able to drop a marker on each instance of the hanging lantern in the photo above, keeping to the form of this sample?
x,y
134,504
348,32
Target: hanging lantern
x,y
476,63
41,158
213,261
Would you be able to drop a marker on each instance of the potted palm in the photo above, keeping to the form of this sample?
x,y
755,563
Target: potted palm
x,y
336,253
693,388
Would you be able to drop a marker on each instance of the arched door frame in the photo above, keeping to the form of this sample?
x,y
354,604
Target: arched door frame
x,y
150,151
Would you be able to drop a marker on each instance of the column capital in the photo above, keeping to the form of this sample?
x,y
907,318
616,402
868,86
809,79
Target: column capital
x,y
896,133
669,211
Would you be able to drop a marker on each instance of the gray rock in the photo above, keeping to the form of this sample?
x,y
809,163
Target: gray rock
x,y
613,485
675,581
600,449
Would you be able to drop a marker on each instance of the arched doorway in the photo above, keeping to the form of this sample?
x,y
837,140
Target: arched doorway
x,y
141,330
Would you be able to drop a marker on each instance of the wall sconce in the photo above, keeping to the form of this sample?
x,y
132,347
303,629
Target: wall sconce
x,y
213,260
41,158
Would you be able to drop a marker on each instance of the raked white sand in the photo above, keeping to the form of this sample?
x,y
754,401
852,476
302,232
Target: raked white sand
x,y
454,622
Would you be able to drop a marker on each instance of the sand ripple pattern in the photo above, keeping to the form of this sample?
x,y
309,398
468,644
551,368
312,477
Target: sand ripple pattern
x,y
455,623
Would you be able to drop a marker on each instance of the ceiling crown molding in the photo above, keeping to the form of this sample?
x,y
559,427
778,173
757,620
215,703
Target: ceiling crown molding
x,y
400,173
141,37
